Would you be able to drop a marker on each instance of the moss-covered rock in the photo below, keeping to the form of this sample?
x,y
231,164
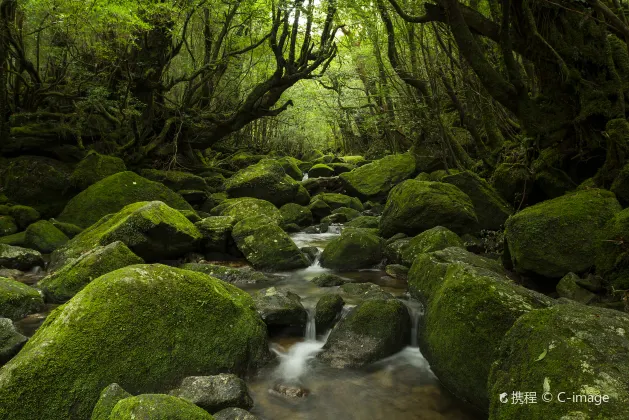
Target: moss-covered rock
x,y
329,280
94,167
434,239
113,193
266,246
291,167
491,209
558,236
620,186
214,393
320,170
266,180
569,288
374,180
215,182
151,230
242,160
341,168
24,215
19,258
70,279
464,323
513,181
157,407
216,232
349,213
335,201
352,250
295,214
176,180
108,399
327,312
319,209
214,200
353,159
17,239
364,222
394,249
568,348
371,331
38,182
44,237
312,155
18,300
11,341
69,229
552,183
234,413
416,206
188,324
281,309
242,208
238,276
612,255
8,226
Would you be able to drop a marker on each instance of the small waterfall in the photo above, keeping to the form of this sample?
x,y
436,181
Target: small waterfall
x,y
311,328
335,229
415,310
305,177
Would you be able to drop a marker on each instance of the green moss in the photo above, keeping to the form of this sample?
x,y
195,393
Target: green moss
x,y
44,237
612,253
320,170
294,213
108,400
512,181
364,222
229,274
152,230
70,279
68,228
352,159
374,180
568,348
188,324
312,155
216,232
157,407
266,180
561,235
416,206
620,186
113,193
11,341
24,215
17,239
291,167
354,249
18,300
7,226
328,309
335,201
341,168
434,239
242,160
95,167
303,196
241,208
176,180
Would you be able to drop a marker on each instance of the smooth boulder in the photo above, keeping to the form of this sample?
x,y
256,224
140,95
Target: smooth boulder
x,y
44,237
241,208
281,309
327,312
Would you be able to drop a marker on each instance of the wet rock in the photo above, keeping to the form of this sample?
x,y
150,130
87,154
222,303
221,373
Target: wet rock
x,y
18,300
19,258
112,194
416,206
567,348
216,232
109,397
364,291
319,209
371,331
242,208
214,393
231,275
374,180
234,414
569,288
320,170
176,180
8,226
311,252
10,340
289,391
434,239
365,222
94,167
397,271
559,236
335,201
327,312
60,285
281,309
329,280
152,230
187,322
294,213
44,237
354,249
157,406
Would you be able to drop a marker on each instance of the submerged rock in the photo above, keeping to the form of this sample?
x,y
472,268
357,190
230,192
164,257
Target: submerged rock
x,y
44,237
354,249
157,406
186,323
214,393
11,341
327,312
416,206
371,331
18,300
281,308
568,348
19,258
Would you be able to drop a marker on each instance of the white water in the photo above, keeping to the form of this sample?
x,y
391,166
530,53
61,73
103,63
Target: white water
x,y
305,177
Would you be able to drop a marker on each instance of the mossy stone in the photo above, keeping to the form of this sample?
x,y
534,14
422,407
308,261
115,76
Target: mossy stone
x,y
349,213
434,239
24,215
320,170
612,255
364,222
176,180
319,209
44,237
188,323
291,167
559,236
70,279
109,397
620,186
354,249
374,180
242,208
216,232
327,311
341,168
329,280
11,341
8,226
157,407
242,160
568,348
19,258
353,159
17,239
281,308
94,167
295,214
18,300
569,288
68,228
239,276
416,206
513,181
335,201
111,194
265,180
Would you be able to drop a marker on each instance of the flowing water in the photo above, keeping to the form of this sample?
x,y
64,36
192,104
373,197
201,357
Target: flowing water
x,y
298,386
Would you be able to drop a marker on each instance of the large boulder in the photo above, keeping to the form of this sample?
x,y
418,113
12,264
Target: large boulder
x,y
434,239
187,324
291,167
241,208
320,170
94,167
612,254
577,354
38,182
364,222
327,311
59,286
465,319
335,201
266,246
24,215
281,309
492,210
157,406
374,180
216,233
371,331
295,214
11,341
561,235
18,300
152,230
354,249
109,397
265,180
176,180
513,181
415,206
19,258
111,194
214,393
44,237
